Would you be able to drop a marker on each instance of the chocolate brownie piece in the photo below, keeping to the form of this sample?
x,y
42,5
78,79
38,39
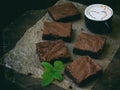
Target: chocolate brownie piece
x,y
64,13
52,50
83,70
57,30
88,44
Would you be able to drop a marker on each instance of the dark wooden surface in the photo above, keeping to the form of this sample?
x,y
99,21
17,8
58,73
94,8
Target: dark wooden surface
x,y
11,9
12,33
15,30
110,79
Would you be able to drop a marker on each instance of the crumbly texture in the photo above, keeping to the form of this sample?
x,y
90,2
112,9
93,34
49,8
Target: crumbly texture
x,y
57,30
82,68
52,50
65,12
87,44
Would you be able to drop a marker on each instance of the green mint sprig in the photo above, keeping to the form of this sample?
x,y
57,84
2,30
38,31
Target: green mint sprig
x,y
52,72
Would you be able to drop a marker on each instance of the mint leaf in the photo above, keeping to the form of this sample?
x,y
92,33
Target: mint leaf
x,y
47,78
59,66
51,72
47,66
58,76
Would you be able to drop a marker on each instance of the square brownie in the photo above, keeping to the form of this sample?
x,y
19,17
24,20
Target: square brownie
x,y
83,70
64,13
87,44
52,50
57,30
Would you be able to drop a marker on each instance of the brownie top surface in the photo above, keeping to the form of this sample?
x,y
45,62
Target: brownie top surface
x,y
82,67
51,50
89,42
62,11
57,29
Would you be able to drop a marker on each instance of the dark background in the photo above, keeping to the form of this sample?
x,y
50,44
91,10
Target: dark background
x,y
10,10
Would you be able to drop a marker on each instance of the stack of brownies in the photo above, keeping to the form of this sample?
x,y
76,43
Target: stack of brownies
x,y
87,45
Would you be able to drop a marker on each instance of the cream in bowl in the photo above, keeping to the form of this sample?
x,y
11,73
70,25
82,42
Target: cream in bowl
x,y
98,16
